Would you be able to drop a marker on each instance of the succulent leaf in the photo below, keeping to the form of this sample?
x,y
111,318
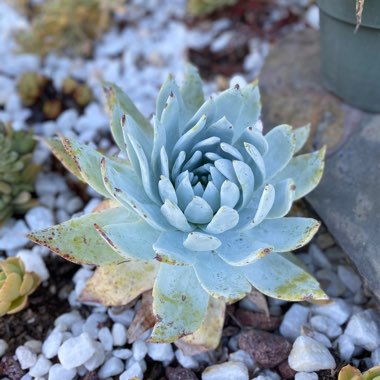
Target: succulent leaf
x,y
286,234
306,171
125,187
301,134
57,148
78,241
281,147
278,277
219,279
119,104
17,172
207,337
15,285
285,191
191,91
179,303
118,284
132,240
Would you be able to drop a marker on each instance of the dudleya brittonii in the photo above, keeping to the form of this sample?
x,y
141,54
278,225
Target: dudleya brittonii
x,y
204,193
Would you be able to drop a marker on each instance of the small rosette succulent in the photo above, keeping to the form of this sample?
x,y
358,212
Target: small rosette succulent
x,y
17,172
15,285
202,199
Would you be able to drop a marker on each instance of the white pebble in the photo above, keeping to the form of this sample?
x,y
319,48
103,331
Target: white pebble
x,y
34,345
93,324
312,17
139,349
375,357
68,319
3,347
326,326
119,334
73,205
319,337
346,347
14,236
308,355
105,337
348,276
39,217
112,367
161,352
306,376
77,328
97,359
41,368
34,263
76,351
124,317
338,310
135,371
293,320
51,345
186,361
244,357
122,353
26,357
50,183
58,372
364,329
226,371
318,257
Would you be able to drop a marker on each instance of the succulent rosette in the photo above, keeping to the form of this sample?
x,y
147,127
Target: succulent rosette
x,y
203,195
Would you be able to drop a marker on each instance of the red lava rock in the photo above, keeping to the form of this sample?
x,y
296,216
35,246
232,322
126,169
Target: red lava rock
x,y
180,373
257,320
268,349
285,371
10,368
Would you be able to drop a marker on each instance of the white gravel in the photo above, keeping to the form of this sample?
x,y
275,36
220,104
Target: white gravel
x,y
308,355
226,371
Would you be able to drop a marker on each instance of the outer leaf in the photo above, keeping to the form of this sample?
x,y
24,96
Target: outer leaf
x,y
286,234
191,91
207,337
282,144
168,89
119,284
306,170
301,134
77,240
278,277
124,186
130,240
285,192
120,104
59,151
179,303
219,279
170,249
87,161
242,248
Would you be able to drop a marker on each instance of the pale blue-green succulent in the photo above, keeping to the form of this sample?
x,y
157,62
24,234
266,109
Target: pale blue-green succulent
x,y
203,195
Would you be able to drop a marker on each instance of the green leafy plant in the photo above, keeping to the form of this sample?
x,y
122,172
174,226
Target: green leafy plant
x,y
203,7
352,373
15,285
66,26
198,209
17,171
